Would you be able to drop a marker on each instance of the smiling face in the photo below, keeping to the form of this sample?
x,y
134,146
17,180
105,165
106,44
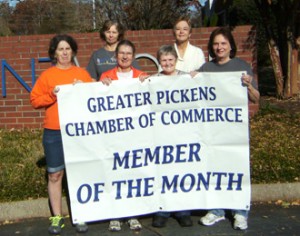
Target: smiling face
x,y
182,31
125,57
111,35
63,54
168,63
221,48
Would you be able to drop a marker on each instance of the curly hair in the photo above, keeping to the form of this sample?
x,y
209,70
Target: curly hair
x,y
56,40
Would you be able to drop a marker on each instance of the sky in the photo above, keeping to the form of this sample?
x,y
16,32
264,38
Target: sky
x,y
12,3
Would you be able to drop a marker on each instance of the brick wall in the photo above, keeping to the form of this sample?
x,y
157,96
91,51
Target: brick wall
x,y
21,52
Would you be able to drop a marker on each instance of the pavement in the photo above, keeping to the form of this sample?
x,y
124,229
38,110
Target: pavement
x,y
265,218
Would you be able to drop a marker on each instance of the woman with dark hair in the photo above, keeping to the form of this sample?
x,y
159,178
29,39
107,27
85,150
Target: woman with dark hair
x,y
222,49
62,50
104,58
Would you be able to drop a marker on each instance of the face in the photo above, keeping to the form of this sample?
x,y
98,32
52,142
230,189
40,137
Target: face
x,y
168,63
221,47
182,31
63,54
111,35
125,56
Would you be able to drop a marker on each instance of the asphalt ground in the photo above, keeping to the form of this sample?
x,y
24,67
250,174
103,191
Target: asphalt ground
x,y
264,219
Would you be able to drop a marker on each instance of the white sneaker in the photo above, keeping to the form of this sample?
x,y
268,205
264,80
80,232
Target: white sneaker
x,y
114,225
134,224
210,219
82,227
240,222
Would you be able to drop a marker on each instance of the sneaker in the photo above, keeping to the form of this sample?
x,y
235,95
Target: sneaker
x,y
114,225
240,222
57,223
134,224
82,227
210,219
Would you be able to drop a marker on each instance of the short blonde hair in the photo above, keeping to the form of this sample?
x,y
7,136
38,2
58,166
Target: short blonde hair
x,y
183,18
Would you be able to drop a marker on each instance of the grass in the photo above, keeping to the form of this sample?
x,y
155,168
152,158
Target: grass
x,y
275,152
274,148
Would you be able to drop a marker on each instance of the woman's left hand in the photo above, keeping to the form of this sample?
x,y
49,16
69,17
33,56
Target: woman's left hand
x,y
246,80
143,77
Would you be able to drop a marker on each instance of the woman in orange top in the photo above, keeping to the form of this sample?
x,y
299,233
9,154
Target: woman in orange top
x,y
62,50
125,52
124,70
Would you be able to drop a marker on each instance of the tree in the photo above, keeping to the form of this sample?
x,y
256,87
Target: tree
x,y
51,16
281,34
143,14
5,12
278,24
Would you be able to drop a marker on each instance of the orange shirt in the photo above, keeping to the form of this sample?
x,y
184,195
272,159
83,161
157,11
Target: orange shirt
x,y
112,74
42,95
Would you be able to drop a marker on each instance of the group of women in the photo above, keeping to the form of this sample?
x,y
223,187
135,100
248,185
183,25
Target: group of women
x,y
116,61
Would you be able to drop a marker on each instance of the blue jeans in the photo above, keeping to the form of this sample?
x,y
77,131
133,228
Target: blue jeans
x,y
53,149
221,212
177,214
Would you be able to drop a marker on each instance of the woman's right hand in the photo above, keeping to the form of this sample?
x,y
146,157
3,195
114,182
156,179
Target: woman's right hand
x,y
106,81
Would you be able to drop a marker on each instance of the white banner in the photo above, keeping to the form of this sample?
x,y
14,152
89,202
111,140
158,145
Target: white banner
x,y
168,144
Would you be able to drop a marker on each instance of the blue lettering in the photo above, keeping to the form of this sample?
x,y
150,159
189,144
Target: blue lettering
x,y
148,187
136,157
68,131
194,152
186,186
205,182
219,179
238,115
120,161
167,154
98,191
91,108
168,185
227,116
119,190
238,181
89,191
137,187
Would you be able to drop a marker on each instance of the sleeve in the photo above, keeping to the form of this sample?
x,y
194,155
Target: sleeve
x,y
104,75
41,94
86,77
92,68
